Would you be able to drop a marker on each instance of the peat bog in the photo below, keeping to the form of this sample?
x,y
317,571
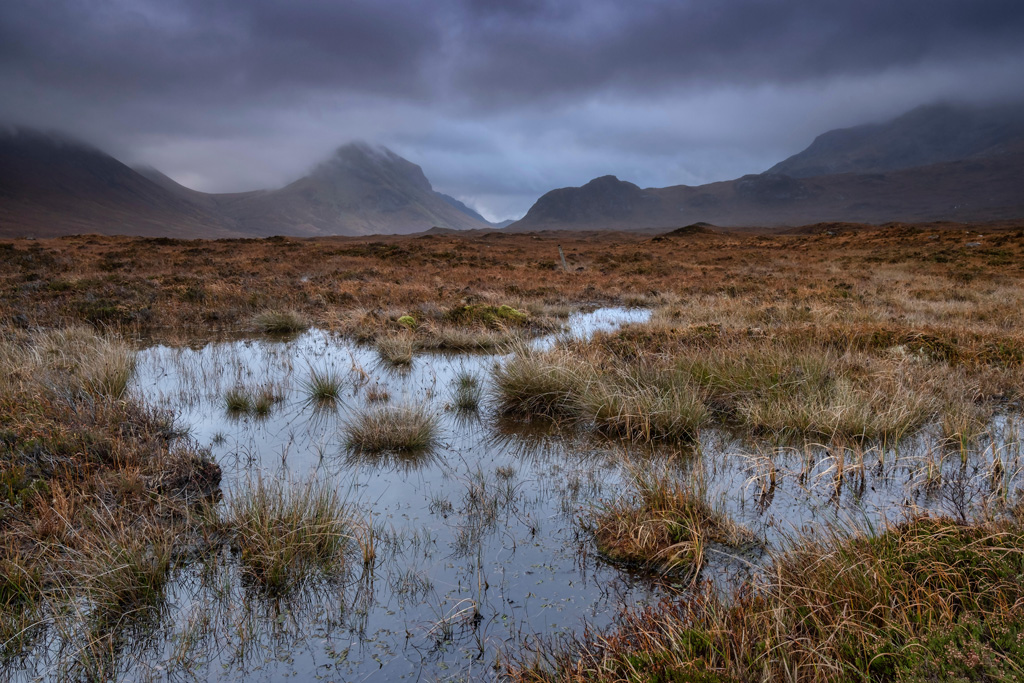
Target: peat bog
x,y
718,456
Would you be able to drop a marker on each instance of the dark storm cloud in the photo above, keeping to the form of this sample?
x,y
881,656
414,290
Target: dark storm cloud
x,y
499,100
564,48
216,50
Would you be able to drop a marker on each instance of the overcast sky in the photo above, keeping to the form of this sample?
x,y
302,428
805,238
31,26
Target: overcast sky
x,y
498,100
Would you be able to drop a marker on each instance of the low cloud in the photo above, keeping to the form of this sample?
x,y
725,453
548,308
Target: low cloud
x,y
498,101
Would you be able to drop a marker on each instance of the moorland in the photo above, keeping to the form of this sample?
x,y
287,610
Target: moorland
x,y
830,361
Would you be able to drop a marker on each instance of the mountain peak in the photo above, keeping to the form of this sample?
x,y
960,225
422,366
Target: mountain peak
x,y
370,163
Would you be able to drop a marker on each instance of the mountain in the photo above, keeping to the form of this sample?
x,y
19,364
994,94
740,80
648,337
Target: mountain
x,y
53,185
927,135
934,163
463,208
361,190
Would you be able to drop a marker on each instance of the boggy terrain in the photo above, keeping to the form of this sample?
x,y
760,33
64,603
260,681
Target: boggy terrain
x,y
841,358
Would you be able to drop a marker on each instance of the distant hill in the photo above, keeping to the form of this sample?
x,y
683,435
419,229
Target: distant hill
x,y
921,137
361,190
53,185
934,163
463,208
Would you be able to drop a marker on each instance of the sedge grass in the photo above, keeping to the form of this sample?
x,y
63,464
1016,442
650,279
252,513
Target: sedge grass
x,y
927,599
467,392
395,349
393,428
323,387
664,525
281,321
289,534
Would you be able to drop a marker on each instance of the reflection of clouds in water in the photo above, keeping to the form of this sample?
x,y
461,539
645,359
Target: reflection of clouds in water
x,y
539,565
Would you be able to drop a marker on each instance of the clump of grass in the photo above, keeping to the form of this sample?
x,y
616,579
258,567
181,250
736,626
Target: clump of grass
x,y
238,401
323,387
454,338
928,599
395,349
538,384
281,321
263,402
645,406
467,392
665,525
241,400
77,360
394,428
126,566
289,534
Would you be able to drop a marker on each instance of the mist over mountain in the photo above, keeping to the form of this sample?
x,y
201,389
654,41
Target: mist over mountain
x,y
53,185
933,163
50,186
361,190
926,135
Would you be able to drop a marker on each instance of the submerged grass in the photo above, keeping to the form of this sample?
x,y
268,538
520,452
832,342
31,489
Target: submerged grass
x,y
258,402
467,392
323,387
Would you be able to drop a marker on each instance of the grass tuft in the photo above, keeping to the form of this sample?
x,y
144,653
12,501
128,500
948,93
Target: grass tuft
x,y
395,349
280,321
467,392
395,428
665,525
323,388
287,535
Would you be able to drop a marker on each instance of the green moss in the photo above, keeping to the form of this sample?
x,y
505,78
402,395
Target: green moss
x,y
407,321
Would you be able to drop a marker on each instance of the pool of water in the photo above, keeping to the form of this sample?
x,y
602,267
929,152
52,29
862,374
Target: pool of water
x,y
479,542
480,549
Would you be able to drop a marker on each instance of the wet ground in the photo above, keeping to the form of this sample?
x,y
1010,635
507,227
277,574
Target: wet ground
x,y
479,545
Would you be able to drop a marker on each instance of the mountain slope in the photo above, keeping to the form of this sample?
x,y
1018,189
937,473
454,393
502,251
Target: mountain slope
x,y
360,190
921,137
972,190
52,185
933,163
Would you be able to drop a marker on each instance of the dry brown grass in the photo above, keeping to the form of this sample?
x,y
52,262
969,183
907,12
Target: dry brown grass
x,y
929,599
894,278
664,524
95,501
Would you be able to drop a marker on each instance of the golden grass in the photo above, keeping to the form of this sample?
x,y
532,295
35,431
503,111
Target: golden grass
x,y
288,535
928,599
664,524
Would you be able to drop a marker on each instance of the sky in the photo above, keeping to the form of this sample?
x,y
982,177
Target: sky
x,y
498,101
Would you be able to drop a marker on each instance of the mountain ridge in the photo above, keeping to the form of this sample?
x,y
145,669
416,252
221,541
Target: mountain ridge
x,y
858,174
51,184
